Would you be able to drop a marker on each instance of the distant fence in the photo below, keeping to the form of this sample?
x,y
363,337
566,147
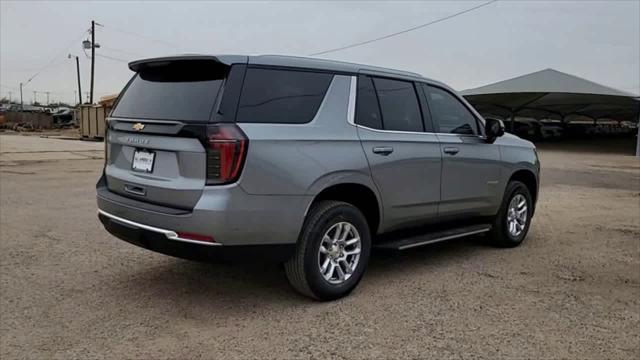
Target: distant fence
x,y
37,120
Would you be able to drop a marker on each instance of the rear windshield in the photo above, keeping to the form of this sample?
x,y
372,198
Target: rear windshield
x,y
178,90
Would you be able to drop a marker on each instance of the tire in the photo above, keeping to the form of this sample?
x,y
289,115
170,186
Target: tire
x,y
303,269
500,234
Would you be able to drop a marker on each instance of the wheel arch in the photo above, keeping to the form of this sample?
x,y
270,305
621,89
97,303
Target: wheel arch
x,y
357,194
530,180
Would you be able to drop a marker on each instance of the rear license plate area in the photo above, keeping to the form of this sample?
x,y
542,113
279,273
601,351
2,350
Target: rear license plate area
x,y
143,160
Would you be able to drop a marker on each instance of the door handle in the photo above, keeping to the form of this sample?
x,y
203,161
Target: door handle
x,y
451,150
383,150
135,190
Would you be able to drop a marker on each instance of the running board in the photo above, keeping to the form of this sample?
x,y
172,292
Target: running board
x,y
432,238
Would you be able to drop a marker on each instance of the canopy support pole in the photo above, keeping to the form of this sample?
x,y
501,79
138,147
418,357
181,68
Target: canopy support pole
x,y
513,122
638,137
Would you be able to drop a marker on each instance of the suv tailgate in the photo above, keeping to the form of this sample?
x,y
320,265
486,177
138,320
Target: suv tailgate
x,y
154,150
178,174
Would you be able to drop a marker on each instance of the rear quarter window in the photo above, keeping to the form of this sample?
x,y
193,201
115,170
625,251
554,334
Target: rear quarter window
x,y
180,90
281,96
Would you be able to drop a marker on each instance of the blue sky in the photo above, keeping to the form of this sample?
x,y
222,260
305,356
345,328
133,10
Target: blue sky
x,y
597,40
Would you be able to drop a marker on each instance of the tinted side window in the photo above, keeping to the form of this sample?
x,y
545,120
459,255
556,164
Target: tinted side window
x,y
424,105
399,105
367,108
281,96
449,113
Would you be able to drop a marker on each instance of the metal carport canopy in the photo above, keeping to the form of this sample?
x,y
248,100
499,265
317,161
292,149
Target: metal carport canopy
x,y
551,94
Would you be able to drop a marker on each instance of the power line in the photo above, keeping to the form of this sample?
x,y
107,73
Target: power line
x,y
85,53
53,59
9,87
127,52
38,91
131,33
402,31
112,58
53,92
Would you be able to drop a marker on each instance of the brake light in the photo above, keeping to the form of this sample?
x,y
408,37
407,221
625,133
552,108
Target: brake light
x,y
226,150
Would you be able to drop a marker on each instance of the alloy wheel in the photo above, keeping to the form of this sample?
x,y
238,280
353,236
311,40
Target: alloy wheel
x,y
517,215
339,252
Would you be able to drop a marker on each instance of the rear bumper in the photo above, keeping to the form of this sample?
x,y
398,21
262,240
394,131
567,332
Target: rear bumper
x,y
226,213
160,240
168,234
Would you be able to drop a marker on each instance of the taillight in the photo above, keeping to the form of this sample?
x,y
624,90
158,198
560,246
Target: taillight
x,y
226,150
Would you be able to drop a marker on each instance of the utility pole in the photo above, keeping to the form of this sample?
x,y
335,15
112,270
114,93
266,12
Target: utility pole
x,y
47,92
93,56
638,136
79,89
92,44
21,103
78,71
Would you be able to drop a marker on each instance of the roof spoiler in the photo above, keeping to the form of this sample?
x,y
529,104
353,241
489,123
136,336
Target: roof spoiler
x,y
138,65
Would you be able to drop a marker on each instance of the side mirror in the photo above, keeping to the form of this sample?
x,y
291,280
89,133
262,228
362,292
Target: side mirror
x,y
493,129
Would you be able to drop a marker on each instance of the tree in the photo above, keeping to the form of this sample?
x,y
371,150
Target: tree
x,y
60,104
4,100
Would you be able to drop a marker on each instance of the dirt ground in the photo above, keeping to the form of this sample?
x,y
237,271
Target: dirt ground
x,y
572,290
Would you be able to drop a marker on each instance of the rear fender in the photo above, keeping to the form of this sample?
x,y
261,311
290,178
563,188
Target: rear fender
x,y
344,177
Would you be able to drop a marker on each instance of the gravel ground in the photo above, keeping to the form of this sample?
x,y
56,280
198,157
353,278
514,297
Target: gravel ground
x,y
572,290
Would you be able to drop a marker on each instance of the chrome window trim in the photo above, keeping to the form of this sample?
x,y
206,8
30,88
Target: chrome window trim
x,y
170,234
351,107
351,117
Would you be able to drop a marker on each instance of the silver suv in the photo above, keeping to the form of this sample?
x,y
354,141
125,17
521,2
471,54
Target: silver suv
x,y
310,162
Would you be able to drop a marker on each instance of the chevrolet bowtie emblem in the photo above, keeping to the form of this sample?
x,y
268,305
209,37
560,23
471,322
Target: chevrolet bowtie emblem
x,y
138,126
